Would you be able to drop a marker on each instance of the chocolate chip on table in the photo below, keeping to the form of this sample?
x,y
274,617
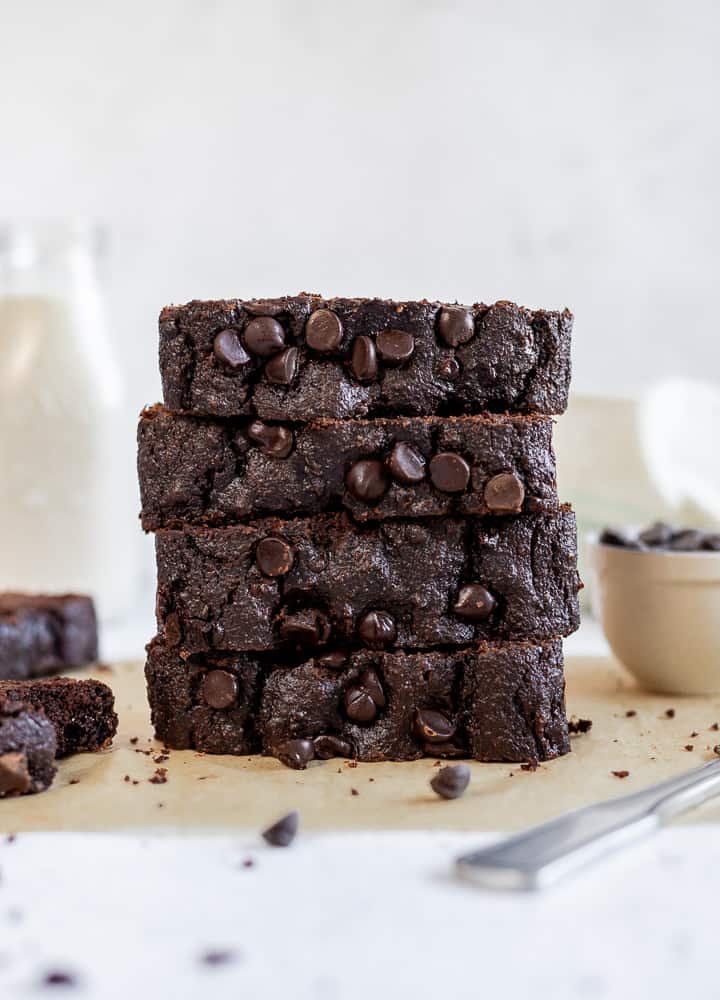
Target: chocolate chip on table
x,y
14,774
296,754
323,330
273,556
159,777
669,713
618,539
327,746
377,628
689,747
264,336
576,726
406,464
449,472
370,681
306,628
228,349
359,705
395,347
363,359
282,833
367,479
432,726
455,325
658,534
686,541
474,603
333,661
451,782
505,493
274,441
620,774
219,689
281,369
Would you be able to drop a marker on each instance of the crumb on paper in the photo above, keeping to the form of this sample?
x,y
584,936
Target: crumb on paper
x,y
160,776
670,713
576,726
630,714
620,774
530,765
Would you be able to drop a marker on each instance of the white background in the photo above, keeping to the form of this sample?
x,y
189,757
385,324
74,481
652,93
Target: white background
x,y
557,153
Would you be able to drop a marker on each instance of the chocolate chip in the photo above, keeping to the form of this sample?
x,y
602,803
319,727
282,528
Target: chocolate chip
x,y
333,661
359,705
504,493
474,603
455,325
229,350
14,774
219,689
323,330
371,682
58,977
296,754
449,472
617,538
432,726
576,726
264,336
711,543
274,441
328,746
306,628
367,479
377,628
273,556
451,782
406,464
658,534
395,347
282,833
686,541
363,359
449,368
620,774
281,369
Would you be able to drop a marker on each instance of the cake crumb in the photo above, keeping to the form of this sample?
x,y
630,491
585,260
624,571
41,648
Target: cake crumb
x,y
620,774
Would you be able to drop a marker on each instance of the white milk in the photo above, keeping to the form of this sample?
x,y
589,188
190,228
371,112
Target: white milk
x,y
67,493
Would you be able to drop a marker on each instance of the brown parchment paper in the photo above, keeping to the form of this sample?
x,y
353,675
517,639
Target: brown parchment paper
x,y
202,792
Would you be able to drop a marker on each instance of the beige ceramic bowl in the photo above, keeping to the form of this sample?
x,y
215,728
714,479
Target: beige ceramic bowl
x,y
660,612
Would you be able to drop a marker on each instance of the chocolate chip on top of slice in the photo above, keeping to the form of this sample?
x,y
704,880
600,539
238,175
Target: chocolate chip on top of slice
x,y
264,336
455,325
323,331
407,466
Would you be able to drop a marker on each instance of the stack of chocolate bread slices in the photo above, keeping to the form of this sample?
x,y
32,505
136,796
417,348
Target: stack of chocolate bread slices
x,y
360,548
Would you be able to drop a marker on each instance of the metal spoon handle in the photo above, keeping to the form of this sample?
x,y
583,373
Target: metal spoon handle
x,y
546,853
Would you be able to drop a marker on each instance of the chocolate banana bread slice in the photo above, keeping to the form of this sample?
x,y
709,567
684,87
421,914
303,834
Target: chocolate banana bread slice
x,y
27,749
44,634
81,711
211,472
323,581
301,358
492,701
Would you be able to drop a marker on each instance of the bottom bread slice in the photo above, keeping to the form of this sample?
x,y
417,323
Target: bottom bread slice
x,y
499,701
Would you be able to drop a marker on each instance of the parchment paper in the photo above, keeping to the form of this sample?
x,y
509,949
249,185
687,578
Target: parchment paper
x,y
220,793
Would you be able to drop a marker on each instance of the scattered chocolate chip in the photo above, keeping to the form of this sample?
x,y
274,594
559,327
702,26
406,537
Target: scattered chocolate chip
x,y
686,541
248,863
670,713
162,757
229,350
282,833
333,661
689,747
306,628
530,765
354,791
658,534
395,347
377,628
618,539
363,359
323,330
281,369
59,977
219,689
296,754
579,725
505,493
14,775
715,727
451,782
327,746
630,714
134,739
367,479
218,957
694,734
264,336
273,556
620,774
406,464
432,726
716,749
449,368
359,705
371,682
160,776
74,781
449,472
474,603
277,442
455,325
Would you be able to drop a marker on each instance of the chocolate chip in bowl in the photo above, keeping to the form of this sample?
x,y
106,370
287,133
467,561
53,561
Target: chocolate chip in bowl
x,y
658,599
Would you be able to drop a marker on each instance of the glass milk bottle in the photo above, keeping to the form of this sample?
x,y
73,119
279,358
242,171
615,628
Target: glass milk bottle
x,y
67,499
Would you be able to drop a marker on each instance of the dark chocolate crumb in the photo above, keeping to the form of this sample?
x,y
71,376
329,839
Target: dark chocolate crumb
x,y
630,714
620,774
218,957
715,727
717,749
248,863
693,734
689,747
531,765
74,781
160,776
352,763
134,739
282,833
670,713
11,838
59,977
354,791
579,725
161,758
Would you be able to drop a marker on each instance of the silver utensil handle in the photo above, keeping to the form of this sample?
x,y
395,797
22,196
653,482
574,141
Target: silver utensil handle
x,y
546,853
